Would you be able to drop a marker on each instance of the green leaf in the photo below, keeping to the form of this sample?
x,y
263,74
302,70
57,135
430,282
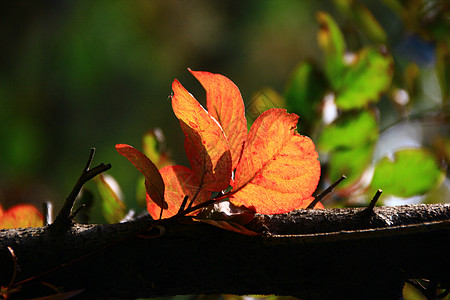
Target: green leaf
x,y
332,42
411,172
305,91
349,131
113,208
362,19
350,162
141,193
366,80
154,145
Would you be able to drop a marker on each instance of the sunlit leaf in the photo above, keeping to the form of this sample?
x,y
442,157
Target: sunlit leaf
x,y
279,169
224,103
351,162
113,207
179,182
230,226
205,142
333,44
363,19
21,216
350,131
305,91
411,172
366,80
154,183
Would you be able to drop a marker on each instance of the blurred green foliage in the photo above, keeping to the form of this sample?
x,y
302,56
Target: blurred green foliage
x,y
376,102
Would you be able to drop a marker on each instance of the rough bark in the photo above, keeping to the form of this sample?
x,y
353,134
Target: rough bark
x,y
312,254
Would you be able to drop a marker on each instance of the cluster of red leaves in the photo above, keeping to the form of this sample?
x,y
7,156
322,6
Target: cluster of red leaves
x,y
275,169
22,215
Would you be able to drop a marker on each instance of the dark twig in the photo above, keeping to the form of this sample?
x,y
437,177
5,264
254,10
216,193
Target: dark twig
x,y
75,213
374,201
325,192
194,208
64,217
183,204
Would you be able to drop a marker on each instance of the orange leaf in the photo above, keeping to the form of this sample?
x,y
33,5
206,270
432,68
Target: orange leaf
x,y
179,181
21,216
279,169
225,104
205,143
154,183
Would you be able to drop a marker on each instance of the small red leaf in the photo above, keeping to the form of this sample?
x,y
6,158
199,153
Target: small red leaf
x,y
225,104
179,182
154,183
20,216
205,143
279,169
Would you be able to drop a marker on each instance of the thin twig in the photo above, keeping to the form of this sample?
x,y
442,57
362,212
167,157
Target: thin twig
x,y
183,204
15,266
194,208
87,174
374,201
325,192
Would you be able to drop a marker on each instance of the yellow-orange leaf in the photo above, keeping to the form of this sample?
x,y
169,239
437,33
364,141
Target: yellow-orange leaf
x,y
154,184
205,143
20,216
279,169
224,103
180,182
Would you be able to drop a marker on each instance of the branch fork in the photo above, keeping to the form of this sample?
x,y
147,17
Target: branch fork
x,y
65,217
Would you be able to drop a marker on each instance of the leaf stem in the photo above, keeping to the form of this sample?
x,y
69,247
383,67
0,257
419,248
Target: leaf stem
x,y
374,201
325,192
194,208
183,204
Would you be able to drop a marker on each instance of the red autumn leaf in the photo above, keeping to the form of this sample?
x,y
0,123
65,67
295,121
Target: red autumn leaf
x,y
20,216
224,103
279,169
205,143
154,183
179,182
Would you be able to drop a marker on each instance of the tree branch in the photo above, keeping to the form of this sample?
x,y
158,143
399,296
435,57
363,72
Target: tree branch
x,y
65,216
313,254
